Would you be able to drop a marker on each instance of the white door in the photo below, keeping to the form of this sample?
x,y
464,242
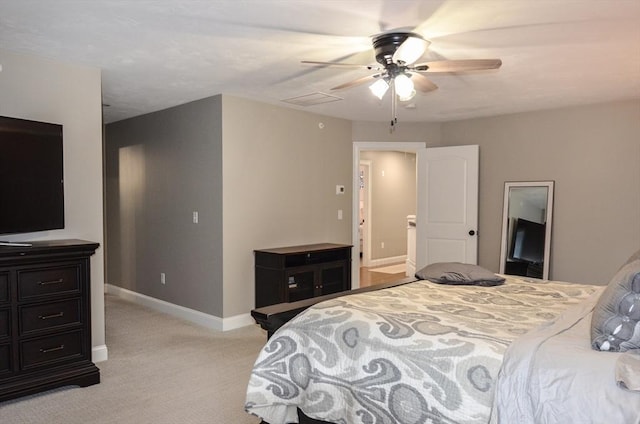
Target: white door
x,y
450,209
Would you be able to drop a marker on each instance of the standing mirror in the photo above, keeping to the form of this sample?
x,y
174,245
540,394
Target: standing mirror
x,y
526,228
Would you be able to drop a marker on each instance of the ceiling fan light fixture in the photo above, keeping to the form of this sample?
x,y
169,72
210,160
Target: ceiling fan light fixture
x,y
407,98
404,86
411,49
379,88
396,51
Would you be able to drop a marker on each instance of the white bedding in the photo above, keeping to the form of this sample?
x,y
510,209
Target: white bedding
x,y
417,353
552,375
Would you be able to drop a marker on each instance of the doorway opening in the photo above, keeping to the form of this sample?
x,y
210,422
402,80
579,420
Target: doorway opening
x,y
385,177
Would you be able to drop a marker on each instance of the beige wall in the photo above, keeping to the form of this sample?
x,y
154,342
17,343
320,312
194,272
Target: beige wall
x,y
280,171
593,155
424,132
43,90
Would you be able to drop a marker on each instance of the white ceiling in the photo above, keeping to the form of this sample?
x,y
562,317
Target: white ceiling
x,y
157,54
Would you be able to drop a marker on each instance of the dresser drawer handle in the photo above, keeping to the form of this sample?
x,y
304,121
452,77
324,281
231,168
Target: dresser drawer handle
x,y
53,349
58,315
47,283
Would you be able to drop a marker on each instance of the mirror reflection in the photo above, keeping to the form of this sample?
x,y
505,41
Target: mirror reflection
x,y
526,228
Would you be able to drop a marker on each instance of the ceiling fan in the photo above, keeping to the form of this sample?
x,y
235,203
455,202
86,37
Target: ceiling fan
x,y
396,51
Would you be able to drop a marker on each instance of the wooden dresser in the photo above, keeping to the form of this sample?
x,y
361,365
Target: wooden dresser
x,y
45,317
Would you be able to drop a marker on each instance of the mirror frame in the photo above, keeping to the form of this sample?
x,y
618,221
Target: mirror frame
x,y
505,220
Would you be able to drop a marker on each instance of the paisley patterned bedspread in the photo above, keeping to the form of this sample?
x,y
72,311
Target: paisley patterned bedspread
x,y
416,353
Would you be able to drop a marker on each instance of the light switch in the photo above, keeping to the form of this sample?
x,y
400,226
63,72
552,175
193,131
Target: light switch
x,y
339,213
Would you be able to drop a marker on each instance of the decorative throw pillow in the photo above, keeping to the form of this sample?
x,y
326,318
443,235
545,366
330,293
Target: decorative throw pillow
x,y
615,324
457,273
633,257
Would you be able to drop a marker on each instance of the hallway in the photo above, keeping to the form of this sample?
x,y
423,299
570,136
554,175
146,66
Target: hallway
x,y
369,277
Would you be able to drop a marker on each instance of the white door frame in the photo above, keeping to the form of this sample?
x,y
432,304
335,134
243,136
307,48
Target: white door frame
x,y
366,228
420,149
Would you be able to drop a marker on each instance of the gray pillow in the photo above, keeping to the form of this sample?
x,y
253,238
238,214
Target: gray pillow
x,y
633,257
457,273
615,323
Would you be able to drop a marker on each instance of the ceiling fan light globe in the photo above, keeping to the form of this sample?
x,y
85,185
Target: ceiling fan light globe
x,y
411,50
379,88
404,86
407,98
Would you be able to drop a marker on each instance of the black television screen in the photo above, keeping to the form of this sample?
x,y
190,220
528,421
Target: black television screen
x,y
31,176
528,241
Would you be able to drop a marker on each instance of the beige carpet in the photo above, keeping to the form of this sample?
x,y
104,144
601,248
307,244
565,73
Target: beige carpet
x,y
160,370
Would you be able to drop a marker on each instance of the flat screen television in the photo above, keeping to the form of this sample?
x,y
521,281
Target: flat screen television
x,y
31,176
528,241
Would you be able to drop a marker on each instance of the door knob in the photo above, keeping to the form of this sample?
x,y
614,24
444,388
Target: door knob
x,y
472,233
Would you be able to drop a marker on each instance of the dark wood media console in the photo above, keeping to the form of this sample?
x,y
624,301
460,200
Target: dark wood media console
x,y
289,274
45,317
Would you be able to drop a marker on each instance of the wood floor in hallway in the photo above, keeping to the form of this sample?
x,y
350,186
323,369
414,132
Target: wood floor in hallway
x,y
369,277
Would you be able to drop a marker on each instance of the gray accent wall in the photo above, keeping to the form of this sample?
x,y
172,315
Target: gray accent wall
x,y
593,155
160,168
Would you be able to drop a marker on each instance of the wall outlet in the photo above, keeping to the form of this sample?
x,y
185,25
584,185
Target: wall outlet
x,y
195,217
382,245
163,278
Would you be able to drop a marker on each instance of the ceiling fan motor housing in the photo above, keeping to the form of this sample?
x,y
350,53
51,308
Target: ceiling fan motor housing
x,y
386,44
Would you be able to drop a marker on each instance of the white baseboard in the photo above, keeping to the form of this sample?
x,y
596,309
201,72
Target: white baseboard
x,y
392,260
209,321
99,353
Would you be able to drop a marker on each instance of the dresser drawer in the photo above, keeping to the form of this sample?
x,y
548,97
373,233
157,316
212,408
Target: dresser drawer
x,y
34,283
5,358
49,350
49,315
4,287
5,325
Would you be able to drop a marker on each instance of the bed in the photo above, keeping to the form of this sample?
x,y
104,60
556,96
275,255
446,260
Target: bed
x,y
424,352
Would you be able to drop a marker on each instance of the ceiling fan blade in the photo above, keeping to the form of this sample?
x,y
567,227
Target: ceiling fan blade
x,y
343,65
457,65
410,50
358,81
423,83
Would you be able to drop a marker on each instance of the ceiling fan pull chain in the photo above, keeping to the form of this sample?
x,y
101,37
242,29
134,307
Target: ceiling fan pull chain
x,y
394,102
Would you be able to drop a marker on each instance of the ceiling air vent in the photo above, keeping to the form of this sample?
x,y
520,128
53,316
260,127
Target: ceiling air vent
x,y
312,99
